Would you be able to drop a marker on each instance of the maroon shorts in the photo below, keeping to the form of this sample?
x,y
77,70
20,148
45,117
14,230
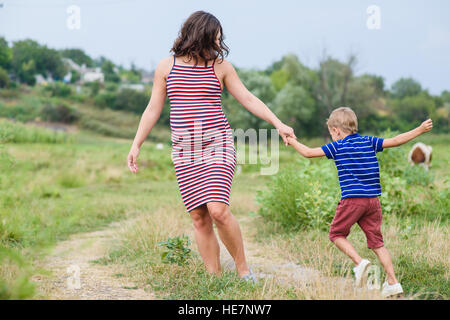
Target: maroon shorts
x,y
364,211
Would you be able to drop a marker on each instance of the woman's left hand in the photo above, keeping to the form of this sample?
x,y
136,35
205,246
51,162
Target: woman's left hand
x,y
285,131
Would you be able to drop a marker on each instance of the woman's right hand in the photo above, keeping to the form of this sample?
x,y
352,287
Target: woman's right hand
x,y
132,159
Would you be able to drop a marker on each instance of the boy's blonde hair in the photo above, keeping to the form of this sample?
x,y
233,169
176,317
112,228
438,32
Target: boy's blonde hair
x,y
343,118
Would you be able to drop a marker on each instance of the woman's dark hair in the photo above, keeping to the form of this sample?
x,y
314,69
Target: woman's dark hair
x,y
197,38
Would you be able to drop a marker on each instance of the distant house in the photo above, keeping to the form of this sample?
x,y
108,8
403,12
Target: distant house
x,y
91,75
134,86
41,80
147,76
86,74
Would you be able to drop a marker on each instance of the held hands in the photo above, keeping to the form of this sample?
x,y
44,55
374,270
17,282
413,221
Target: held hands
x,y
426,126
132,159
291,140
285,131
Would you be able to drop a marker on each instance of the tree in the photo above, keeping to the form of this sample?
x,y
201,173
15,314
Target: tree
x,y
295,107
414,109
334,79
108,71
279,79
30,58
262,87
131,100
78,56
405,87
290,69
4,78
445,96
6,54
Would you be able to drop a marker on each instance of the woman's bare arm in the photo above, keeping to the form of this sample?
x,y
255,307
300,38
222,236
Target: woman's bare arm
x,y
251,102
151,113
153,110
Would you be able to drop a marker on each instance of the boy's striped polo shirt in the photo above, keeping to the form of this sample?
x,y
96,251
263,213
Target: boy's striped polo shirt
x,y
357,164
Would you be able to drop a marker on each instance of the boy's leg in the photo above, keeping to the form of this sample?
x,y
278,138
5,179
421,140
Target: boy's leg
x,y
385,259
348,212
371,225
346,247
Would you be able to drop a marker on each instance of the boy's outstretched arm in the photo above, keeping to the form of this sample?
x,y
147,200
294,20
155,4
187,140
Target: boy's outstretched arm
x,y
304,150
426,126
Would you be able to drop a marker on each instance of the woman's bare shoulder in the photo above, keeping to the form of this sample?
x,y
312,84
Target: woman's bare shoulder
x,y
222,62
223,65
164,65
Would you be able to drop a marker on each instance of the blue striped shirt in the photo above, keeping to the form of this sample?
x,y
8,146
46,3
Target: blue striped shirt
x,y
357,164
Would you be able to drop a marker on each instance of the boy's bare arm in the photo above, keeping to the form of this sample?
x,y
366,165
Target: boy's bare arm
x,y
403,138
304,150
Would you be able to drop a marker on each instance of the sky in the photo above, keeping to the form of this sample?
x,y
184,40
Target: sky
x,y
406,38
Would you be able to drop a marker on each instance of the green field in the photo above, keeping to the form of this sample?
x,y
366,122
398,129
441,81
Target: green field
x,y
55,184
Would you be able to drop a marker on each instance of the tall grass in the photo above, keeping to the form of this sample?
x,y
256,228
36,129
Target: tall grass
x,y
11,132
416,209
49,191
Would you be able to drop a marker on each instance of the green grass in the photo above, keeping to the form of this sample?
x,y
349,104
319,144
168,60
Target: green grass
x,y
52,186
52,190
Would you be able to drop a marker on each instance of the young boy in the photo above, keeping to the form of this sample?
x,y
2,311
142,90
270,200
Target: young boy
x,y
359,179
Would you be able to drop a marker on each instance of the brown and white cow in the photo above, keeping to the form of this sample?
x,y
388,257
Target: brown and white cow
x,y
420,153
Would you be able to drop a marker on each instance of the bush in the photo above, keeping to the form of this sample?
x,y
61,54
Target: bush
x,y
305,195
4,78
58,89
94,88
177,250
301,196
105,100
60,113
19,133
131,100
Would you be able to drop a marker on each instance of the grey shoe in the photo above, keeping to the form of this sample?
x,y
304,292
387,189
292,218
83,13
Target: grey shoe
x,y
249,277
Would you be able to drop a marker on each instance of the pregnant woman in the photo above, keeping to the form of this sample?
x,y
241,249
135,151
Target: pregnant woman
x,y
203,150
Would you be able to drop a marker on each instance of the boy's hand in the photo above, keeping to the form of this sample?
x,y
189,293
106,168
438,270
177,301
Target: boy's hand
x,y
426,126
290,140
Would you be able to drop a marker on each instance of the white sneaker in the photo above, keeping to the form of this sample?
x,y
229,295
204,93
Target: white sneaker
x,y
361,271
391,289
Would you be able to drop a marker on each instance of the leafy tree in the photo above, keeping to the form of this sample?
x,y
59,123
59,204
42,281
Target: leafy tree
x,y
279,79
131,100
445,96
75,76
108,71
5,54
262,87
26,72
290,69
414,109
30,58
405,87
58,89
78,56
295,107
4,78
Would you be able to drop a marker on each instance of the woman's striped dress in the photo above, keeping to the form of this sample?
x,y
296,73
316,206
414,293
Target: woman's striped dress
x,y
203,150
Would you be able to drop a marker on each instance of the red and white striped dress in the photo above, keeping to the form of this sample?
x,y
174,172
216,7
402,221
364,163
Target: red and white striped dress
x,y
203,149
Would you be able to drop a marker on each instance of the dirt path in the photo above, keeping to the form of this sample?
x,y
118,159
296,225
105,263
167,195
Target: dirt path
x,y
266,265
97,281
